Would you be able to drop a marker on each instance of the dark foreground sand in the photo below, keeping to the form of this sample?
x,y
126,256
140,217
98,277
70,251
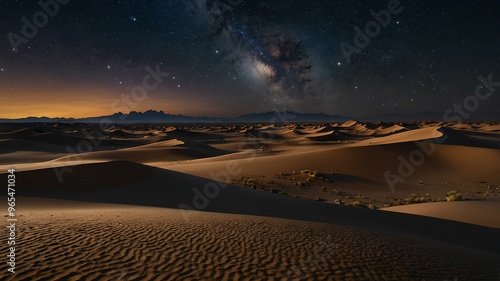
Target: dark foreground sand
x,y
61,240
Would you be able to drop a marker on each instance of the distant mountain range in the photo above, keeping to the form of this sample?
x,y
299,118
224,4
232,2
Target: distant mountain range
x,y
153,116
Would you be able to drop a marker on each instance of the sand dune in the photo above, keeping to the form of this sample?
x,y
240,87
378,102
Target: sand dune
x,y
171,150
470,138
16,145
406,136
258,201
475,212
390,130
114,242
463,164
349,124
490,128
131,183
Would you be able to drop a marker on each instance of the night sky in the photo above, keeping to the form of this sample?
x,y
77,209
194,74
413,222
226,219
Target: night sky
x,y
231,57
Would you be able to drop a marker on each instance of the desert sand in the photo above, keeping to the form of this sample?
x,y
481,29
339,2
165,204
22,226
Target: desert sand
x,y
255,201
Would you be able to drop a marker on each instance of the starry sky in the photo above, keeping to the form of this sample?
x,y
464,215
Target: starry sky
x,y
225,58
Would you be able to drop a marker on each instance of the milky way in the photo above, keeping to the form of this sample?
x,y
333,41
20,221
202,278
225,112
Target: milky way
x,y
253,47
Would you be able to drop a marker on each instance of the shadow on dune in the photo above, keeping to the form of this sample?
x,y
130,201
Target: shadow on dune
x,y
148,154
472,139
135,184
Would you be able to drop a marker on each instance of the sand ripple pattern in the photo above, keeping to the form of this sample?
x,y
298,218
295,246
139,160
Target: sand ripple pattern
x,y
156,244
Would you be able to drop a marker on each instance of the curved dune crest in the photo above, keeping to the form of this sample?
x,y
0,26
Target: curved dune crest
x,y
407,136
349,124
161,144
19,133
165,151
390,130
490,128
325,136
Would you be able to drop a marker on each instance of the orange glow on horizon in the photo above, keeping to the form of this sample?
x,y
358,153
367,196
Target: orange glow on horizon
x,y
82,104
